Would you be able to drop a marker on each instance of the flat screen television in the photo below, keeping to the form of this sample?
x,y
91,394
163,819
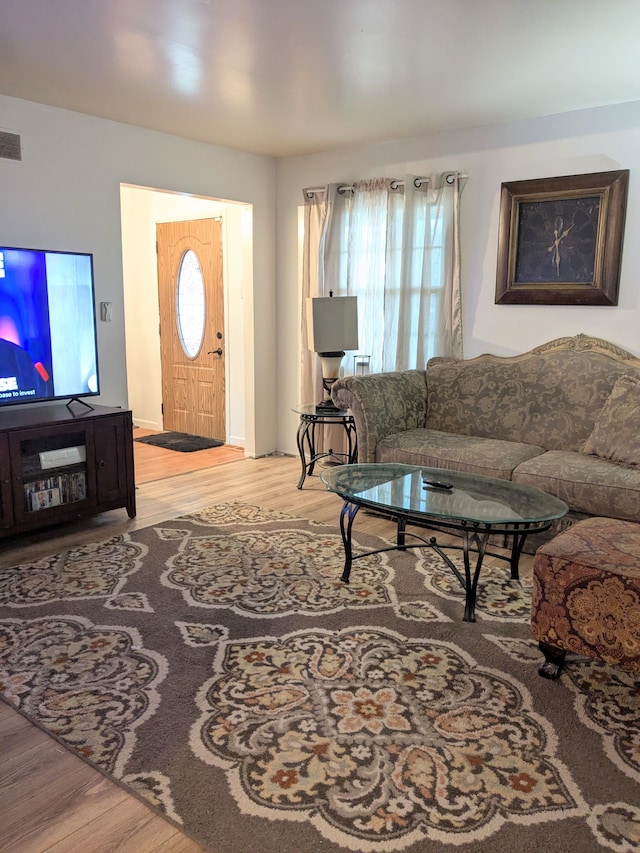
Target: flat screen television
x,y
48,342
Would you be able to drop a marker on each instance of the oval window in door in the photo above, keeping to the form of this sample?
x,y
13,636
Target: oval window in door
x,y
190,304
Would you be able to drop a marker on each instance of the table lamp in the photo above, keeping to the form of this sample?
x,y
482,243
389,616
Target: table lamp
x,y
333,328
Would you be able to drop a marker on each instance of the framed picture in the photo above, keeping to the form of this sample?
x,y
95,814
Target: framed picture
x,y
560,240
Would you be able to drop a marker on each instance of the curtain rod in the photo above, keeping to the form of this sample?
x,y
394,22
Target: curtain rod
x,y
394,183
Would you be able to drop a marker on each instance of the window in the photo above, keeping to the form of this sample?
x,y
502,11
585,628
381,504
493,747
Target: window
x,y
190,308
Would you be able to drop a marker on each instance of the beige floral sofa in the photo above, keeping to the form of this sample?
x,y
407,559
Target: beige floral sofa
x,y
564,417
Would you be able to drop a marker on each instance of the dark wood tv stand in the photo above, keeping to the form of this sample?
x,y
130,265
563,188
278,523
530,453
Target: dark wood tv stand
x,y
59,464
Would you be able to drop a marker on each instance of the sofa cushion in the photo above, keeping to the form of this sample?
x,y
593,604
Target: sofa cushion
x,y
487,456
587,484
550,396
615,433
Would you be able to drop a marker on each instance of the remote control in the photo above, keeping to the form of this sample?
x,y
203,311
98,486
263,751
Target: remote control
x,y
436,484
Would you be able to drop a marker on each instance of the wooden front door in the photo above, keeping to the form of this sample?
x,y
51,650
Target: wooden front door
x,y
192,344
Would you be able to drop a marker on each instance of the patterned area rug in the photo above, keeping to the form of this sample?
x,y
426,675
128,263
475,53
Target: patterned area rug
x,y
216,665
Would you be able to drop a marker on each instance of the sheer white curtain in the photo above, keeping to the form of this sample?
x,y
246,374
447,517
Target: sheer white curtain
x,y
429,302
315,214
396,246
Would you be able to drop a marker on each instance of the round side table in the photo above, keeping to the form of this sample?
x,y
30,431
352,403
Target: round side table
x,y
312,417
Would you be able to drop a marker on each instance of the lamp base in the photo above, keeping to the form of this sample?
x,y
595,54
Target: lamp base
x,y
330,364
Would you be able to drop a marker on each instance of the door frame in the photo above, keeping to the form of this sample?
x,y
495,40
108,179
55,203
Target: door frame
x,y
140,207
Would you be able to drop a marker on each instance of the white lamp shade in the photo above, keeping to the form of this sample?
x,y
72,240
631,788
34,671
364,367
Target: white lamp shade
x,y
332,323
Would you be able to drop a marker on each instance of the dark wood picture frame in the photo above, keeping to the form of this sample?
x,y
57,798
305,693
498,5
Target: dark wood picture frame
x,y
560,240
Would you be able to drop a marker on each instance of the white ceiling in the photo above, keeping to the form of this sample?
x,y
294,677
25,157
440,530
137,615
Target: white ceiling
x,y
283,77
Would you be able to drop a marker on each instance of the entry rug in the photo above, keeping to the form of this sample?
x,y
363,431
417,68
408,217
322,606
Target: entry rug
x,y
180,441
215,665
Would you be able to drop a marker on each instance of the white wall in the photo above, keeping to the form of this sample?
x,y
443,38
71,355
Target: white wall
x,y
573,143
142,209
65,194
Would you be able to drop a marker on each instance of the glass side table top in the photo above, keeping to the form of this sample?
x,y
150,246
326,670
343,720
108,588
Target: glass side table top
x,y
311,410
472,498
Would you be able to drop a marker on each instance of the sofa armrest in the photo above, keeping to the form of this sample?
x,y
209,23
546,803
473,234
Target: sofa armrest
x,y
382,404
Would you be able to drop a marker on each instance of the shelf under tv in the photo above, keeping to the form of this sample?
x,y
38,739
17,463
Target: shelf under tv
x,y
105,478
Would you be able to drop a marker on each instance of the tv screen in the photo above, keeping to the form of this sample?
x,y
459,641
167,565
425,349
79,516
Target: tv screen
x,y
48,346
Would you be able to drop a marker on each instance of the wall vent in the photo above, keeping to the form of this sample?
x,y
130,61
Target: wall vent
x,y
10,147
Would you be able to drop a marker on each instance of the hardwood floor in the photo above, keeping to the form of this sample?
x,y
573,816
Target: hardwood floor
x,y
50,800
154,463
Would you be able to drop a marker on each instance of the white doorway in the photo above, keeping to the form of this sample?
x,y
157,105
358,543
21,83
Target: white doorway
x,y
141,209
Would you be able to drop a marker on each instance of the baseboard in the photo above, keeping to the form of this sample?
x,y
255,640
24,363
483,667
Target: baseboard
x,y
152,425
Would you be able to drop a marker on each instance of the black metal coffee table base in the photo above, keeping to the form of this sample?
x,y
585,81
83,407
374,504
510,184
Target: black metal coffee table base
x,y
475,538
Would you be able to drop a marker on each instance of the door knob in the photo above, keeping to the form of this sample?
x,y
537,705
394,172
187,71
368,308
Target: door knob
x,y
215,351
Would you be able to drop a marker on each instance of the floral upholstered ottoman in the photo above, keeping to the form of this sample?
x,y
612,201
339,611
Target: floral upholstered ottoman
x,y
586,595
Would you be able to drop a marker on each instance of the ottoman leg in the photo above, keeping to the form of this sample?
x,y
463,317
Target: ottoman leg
x,y
554,661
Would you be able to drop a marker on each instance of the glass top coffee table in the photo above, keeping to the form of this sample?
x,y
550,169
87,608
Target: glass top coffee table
x,y
469,505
